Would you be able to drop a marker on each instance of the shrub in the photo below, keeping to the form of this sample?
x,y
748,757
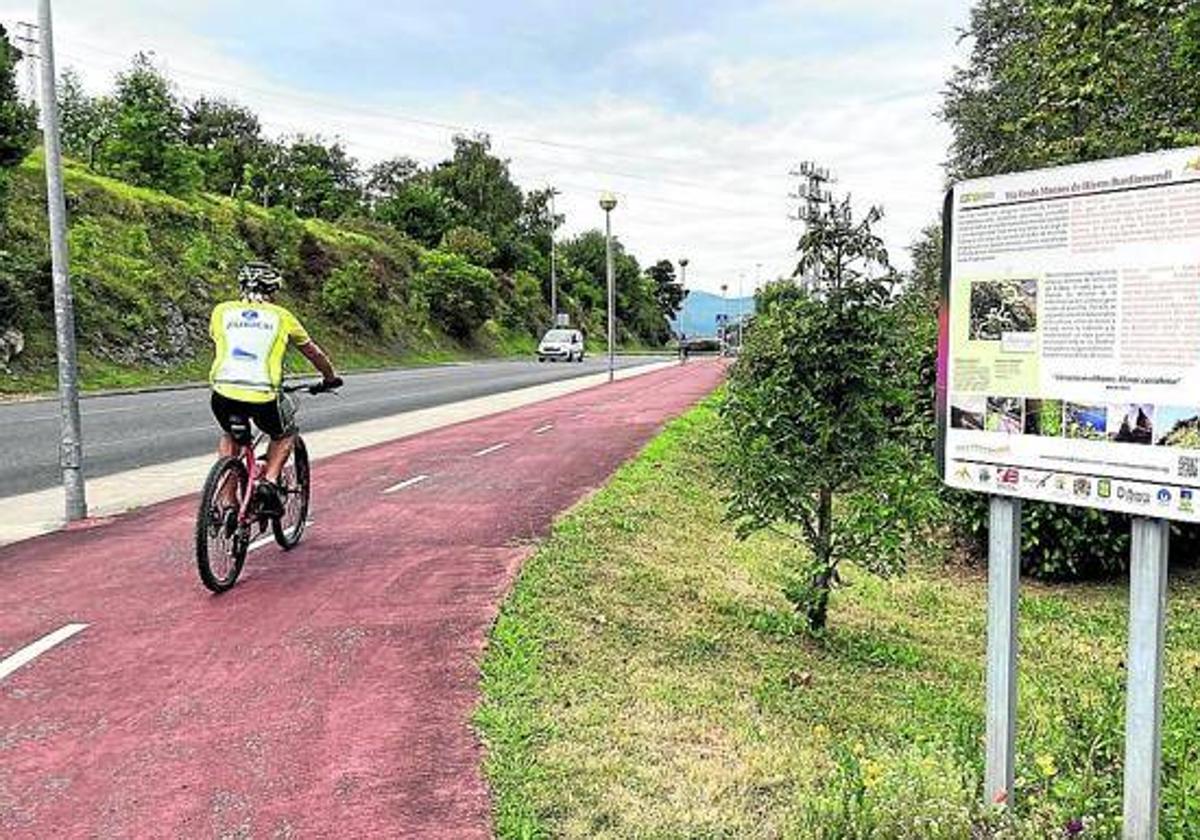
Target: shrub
x,y
460,296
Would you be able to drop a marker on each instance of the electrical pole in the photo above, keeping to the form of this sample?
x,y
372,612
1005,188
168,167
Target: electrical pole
x,y
71,448
29,46
553,265
608,201
816,200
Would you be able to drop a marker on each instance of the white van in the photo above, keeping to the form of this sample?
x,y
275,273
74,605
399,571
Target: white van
x,y
561,344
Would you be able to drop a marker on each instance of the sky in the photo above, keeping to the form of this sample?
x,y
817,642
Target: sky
x,y
692,113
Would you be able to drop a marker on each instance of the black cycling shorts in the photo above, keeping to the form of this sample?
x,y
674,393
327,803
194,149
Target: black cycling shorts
x,y
272,418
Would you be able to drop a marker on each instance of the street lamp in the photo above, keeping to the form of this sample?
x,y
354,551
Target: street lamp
x,y
724,336
553,266
683,264
608,202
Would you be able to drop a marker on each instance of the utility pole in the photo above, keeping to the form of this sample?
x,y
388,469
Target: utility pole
x,y
553,261
71,447
29,52
814,197
608,202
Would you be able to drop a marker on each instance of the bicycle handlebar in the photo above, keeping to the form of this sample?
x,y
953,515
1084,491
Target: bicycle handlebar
x,y
314,388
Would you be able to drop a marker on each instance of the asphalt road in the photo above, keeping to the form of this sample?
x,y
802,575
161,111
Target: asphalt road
x,y
125,431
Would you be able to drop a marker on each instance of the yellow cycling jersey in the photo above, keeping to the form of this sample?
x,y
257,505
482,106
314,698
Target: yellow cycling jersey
x,y
251,339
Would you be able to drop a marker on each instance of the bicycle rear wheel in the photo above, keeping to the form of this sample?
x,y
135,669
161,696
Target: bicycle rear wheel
x,y
221,541
295,484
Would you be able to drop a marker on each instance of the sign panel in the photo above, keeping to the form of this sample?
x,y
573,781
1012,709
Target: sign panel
x,y
1069,354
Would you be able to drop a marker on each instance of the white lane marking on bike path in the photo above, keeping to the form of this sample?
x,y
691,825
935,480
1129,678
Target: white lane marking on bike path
x,y
31,652
408,482
263,542
541,430
489,450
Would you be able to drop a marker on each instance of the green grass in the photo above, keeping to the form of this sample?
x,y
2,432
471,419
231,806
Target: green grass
x,y
647,679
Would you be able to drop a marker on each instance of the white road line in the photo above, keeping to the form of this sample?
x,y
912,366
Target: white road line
x,y
408,482
491,449
541,430
263,542
31,652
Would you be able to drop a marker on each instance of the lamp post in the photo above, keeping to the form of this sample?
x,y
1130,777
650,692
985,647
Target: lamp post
x,y
724,318
608,202
683,264
553,265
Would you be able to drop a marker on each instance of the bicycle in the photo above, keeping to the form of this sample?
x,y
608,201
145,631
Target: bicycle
x,y
228,517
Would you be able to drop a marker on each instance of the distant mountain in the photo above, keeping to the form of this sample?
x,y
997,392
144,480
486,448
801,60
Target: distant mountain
x,y
700,310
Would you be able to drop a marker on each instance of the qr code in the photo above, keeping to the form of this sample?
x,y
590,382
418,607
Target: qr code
x,y
1189,467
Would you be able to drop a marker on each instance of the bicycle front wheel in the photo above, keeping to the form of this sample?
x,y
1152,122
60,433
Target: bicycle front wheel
x,y
221,541
295,487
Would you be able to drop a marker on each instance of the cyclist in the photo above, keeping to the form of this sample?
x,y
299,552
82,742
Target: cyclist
x,y
251,337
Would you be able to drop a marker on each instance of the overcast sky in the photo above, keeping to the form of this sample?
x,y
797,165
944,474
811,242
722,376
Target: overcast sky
x,y
693,113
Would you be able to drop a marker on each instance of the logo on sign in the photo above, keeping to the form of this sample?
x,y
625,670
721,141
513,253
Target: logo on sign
x,y
1185,501
1008,477
1104,488
985,475
1083,487
1133,496
1164,496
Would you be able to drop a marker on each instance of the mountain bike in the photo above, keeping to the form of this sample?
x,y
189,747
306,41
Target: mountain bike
x,y
229,517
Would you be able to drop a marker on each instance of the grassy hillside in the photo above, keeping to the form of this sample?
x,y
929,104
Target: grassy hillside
x,y
147,268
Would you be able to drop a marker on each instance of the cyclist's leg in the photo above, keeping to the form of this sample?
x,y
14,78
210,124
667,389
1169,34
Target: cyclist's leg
x,y
277,419
226,445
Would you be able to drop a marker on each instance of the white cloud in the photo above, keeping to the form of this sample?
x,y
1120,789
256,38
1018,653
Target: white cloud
x,y
709,185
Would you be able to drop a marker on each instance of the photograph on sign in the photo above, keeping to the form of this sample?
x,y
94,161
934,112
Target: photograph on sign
x,y
1069,358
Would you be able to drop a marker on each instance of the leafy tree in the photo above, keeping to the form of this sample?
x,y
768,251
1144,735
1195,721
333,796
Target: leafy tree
x,y
318,179
420,210
460,296
667,292
480,185
18,122
470,243
227,137
820,414
1051,82
386,179
85,121
145,146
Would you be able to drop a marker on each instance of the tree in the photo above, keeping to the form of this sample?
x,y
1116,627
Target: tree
x,y
18,122
480,185
318,179
386,179
145,146
418,209
226,137
1050,83
667,292
819,413
85,121
470,243
460,296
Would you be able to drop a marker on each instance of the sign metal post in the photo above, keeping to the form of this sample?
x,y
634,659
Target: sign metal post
x,y
1004,564
1144,668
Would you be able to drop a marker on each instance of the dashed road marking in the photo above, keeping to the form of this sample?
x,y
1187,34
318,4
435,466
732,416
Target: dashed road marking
x,y
541,430
31,652
408,482
489,450
262,542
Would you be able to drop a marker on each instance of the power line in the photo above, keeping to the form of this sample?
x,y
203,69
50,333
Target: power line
x,y
462,129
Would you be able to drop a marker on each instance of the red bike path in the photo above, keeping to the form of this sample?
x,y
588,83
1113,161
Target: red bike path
x,y
328,694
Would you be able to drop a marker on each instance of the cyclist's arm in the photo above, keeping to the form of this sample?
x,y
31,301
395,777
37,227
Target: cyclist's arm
x,y
320,361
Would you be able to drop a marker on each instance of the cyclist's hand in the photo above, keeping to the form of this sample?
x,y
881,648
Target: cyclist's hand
x,y
328,385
